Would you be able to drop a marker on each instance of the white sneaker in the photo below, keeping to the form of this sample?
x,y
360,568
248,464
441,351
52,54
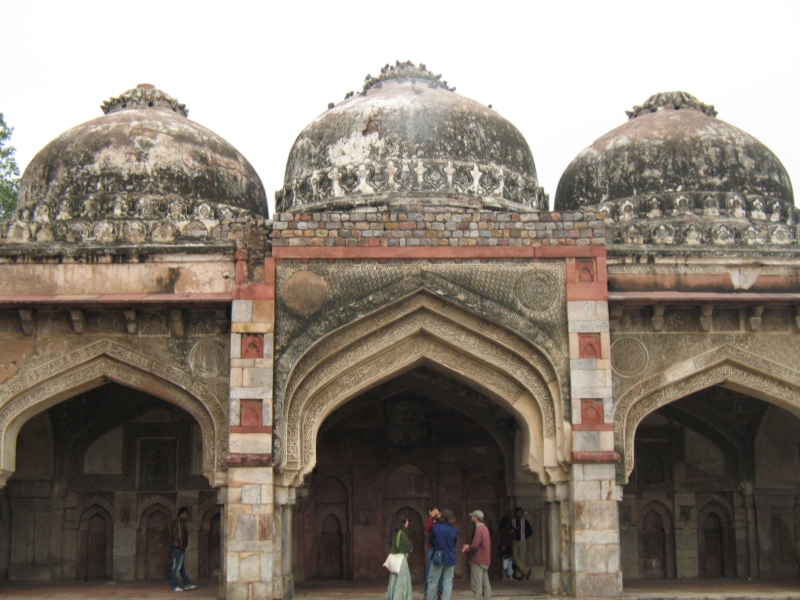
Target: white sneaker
x,y
178,590
190,587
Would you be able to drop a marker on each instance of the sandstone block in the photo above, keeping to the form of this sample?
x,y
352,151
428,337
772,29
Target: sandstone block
x,y
239,476
582,310
246,527
598,585
242,311
588,326
251,392
596,559
250,443
236,345
251,494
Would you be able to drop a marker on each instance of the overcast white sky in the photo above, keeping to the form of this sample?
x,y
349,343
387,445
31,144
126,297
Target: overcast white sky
x,y
257,73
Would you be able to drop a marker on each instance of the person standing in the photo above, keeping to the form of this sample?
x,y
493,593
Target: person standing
x,y
522,531
443,537
506,548
400,583
480,552
434,517
179,540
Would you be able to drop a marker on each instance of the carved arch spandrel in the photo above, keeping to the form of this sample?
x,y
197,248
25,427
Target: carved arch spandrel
x,y
438,293
423,337
34,391
729,366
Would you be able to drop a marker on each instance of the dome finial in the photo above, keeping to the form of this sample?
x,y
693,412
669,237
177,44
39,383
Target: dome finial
x,y
144,95
673,100
404,71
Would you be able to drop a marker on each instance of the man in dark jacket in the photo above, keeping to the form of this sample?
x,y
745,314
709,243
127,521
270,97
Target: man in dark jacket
x,y
179,541
522,531
443,539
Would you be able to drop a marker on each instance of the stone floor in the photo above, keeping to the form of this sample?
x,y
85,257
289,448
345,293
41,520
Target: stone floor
x,y
712,589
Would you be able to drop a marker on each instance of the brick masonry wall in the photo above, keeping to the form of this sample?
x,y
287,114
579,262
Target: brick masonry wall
x,y
438,229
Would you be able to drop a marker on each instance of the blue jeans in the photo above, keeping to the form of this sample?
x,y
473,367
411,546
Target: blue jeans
x,y
444,573
178,564
428,570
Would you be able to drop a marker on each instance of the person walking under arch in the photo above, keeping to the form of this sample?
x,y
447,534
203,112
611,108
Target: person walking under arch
x,y
179,540
480,552
443,558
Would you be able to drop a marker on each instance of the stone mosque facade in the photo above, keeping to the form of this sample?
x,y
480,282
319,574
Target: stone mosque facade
x,y
413,327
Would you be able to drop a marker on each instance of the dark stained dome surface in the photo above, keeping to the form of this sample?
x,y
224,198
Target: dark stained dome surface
x,y
674,143
143,147
408,134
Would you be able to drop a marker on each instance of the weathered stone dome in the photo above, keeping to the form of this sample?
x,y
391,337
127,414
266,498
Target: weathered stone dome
x,y
142,152
674,173
407,138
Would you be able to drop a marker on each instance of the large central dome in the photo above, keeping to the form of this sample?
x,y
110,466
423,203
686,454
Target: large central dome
x,y
407,138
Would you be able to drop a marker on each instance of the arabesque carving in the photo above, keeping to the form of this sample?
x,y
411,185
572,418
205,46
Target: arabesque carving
x,y
106,359
369,293
399,336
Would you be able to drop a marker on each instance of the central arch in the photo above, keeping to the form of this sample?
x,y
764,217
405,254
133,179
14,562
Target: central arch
x,y
424,330
35,390
727,366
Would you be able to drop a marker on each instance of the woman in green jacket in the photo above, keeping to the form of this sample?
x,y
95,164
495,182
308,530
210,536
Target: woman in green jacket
x,y
400,584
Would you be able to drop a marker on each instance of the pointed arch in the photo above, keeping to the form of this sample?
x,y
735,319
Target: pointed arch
x,y
40,387
422,329
728,366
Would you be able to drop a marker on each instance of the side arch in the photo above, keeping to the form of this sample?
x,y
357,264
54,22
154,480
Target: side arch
x,y
665,515
88,566
727,366
375,349
720,509
35,390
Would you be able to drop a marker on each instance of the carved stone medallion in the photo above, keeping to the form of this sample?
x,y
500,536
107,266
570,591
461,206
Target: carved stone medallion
x,y
628,357
207,358
536,290
304,293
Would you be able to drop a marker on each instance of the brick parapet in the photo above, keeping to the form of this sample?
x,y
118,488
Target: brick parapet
x,y
469,228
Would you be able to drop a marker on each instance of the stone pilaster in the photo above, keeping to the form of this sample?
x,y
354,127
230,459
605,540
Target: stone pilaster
x,y
748,491
593,491
283,583
686,535
595,531
557,562
249,508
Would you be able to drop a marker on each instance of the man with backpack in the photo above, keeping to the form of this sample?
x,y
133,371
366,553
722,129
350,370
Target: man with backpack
x,y
443,560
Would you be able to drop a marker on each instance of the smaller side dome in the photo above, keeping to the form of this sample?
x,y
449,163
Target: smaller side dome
x,y
139,159
675,174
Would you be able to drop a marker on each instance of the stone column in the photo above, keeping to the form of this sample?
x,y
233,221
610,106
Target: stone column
x,y
283,582
557,561
594,493
250,506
